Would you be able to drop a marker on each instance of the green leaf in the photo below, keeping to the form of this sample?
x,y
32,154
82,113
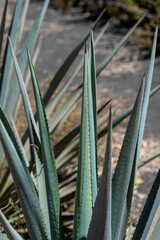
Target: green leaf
x,y
8,60
67,63
30,43
22,20
146,96
23,182
155,230
92,72
124,167
11,233
49,163
140,135
100,227
149,210
27,77
27,106
86,185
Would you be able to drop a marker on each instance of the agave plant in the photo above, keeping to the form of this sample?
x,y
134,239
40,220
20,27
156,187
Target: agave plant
x,y
35,177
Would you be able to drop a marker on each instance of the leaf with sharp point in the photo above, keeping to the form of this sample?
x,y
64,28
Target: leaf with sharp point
x,y
11,233
149,210
67,63
50,92
23,182
124,166
49,162
86,185
23,19
146,96
27,77
100,226
52,104
92,72
8,60
27,105
30,43
121,43
140,135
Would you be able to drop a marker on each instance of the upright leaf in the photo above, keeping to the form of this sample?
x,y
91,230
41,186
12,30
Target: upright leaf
x,y
67,63
49,163
92,69
149,210
100,227
124,166
30,43
23,182
146,95
26,103
8,60
86,185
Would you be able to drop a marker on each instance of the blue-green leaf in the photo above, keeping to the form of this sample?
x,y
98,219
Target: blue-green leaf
x,y
26,103
92,73
100,227
67,63
146,96
85,186
23,182
124,166
140,135
8,60
30,43
11,233
49,163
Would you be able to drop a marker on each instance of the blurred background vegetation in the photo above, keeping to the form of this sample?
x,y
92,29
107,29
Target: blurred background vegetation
x,y
127,11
